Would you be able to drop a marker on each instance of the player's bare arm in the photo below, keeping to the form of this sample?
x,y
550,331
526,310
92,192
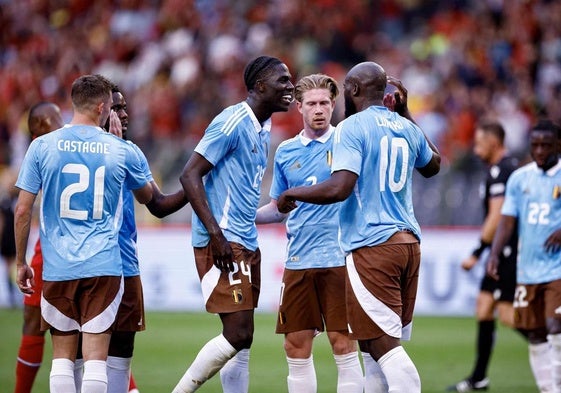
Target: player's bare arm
x,y
335,189
505,229
192,181
22,223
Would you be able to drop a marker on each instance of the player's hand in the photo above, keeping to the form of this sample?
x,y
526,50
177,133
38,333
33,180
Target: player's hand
x,y
222,253
285,203
24,279
492,267
115,126
469,263
397,101
553,243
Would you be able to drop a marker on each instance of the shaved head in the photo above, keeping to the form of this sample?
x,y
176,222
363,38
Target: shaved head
x,y
364,85
44,117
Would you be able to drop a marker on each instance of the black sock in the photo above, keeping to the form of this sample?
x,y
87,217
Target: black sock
x,y
485,342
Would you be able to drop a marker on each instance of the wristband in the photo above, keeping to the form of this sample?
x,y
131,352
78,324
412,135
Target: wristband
x,y
479,250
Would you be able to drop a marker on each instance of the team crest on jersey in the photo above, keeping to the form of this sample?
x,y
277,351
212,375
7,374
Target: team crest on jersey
x,y
296,165
237,295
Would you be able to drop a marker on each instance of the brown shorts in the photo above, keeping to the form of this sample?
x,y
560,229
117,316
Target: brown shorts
x,y
382,287
130,316
234,291
533,303
37,266
310,297
89,304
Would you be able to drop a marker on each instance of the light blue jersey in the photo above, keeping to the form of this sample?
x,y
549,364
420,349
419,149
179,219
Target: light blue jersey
x,y
128,234
312,230
382,148
81,170
534,197
237,146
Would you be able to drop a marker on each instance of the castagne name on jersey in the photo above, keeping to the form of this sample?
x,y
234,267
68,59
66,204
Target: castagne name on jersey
x,y
83,147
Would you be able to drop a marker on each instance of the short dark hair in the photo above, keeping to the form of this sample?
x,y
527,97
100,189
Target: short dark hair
x,y
256,68
547,125
87,90
493,127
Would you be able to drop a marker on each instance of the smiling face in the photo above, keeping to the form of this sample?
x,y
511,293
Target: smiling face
x,y
316,109
277,91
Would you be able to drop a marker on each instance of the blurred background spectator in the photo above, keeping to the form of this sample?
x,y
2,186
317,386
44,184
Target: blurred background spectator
x,y
179,63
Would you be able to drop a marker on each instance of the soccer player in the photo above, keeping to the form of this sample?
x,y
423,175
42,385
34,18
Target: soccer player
x,y
222,180
533,205
374,153
81,170
494,296
130,316
44,117
315,266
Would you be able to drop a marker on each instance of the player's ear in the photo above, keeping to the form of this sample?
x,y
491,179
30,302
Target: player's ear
x,y
260,86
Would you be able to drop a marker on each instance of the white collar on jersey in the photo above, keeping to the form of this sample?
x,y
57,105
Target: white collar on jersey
x,y
324,138
266,125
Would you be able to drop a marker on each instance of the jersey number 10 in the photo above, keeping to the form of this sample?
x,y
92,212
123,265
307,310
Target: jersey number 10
x,y
388,163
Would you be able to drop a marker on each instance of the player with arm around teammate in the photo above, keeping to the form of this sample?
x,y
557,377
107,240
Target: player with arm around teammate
x,y
314,275
374,153
130,316
81,170
533,205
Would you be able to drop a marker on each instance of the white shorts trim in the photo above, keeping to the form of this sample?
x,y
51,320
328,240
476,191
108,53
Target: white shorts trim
x,y
377,311
209,282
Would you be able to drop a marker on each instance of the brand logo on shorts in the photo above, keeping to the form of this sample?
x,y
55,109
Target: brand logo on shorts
x,y
237,296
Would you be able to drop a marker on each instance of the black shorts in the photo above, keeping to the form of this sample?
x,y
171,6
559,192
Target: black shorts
x,y
503,289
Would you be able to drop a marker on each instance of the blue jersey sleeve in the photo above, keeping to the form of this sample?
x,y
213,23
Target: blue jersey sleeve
x,y
347,148
136,166
279,183
218,140
29,178
510,204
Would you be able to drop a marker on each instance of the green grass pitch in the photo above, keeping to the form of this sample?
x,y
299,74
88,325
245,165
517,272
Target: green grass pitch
x,y
441,347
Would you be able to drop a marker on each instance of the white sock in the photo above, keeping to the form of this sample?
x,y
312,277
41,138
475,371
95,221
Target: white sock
x,y
540,363
235,373
374,378
95,377
350,379
301,375
78,374
209,360
61,378
118,374
400,372
555,353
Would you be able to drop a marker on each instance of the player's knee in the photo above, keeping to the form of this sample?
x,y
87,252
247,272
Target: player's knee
x,y
537,336
553,325
240,339
121,344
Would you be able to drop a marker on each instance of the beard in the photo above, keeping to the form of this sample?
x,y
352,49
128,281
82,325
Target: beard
x,y
350,107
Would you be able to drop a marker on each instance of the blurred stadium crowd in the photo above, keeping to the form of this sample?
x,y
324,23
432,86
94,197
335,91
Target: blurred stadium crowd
x,y
179,62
